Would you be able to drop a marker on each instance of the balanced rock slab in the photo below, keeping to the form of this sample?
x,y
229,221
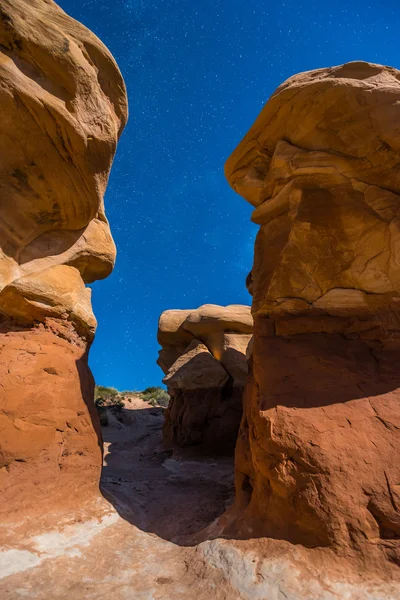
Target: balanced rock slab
x,y
204,359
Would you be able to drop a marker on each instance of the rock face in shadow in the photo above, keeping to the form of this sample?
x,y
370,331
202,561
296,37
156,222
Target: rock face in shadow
x,y
204,357
317,453
63,105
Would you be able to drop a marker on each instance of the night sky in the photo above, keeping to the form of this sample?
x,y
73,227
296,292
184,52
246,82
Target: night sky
x,y
198,72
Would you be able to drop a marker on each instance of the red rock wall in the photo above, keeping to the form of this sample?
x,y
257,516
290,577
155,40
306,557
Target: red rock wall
x,y
317,453
316,460
63,105
207,417
51,447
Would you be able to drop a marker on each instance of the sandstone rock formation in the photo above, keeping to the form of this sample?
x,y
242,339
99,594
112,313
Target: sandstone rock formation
x,y
63,105
317,454
204,357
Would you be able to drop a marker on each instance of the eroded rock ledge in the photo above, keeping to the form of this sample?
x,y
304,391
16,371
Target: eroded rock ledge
x,y
63,105
316,459
204,357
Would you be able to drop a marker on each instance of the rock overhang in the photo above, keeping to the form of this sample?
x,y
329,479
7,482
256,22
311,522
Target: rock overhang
x,y
350,112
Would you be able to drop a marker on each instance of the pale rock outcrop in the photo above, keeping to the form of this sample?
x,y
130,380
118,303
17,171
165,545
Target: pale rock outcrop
x,y
196,368
317,452
63,106
172,337
204,357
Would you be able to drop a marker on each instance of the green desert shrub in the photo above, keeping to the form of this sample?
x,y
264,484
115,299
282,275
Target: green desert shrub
x,y
156,396
110,399
151,390
105,393
107,398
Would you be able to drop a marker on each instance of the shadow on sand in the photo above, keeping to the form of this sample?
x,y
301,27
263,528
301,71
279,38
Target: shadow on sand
x,y
173,494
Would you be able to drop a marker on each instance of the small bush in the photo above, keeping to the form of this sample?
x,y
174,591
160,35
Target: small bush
x,y
110,399
107,398
151,390
156,396
105,393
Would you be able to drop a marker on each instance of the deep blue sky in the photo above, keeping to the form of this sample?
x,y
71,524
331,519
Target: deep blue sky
x,y
198,72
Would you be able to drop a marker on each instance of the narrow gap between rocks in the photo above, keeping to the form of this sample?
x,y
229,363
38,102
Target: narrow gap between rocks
x,y
171,493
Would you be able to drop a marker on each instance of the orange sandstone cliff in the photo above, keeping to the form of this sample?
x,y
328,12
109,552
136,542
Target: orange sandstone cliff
x,y
317,454
63,106
204,357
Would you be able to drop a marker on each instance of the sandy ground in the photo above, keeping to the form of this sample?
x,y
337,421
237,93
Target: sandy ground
x,y
137,547
140,546
169,494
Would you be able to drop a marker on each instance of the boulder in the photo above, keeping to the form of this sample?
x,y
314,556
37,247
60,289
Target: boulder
x,y
316,454
170,328
233,356
196,369
204,359
210,318
63,106
173,338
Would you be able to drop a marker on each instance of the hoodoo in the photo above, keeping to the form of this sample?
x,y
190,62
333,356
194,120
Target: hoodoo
x,y
204,357
63,106
317,454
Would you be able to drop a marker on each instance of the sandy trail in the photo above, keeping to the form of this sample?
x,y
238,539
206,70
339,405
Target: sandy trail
x,y
137,546
171,494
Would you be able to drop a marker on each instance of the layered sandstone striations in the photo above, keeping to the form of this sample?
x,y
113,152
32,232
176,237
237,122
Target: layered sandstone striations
x,y
317,454
204,358
63,106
